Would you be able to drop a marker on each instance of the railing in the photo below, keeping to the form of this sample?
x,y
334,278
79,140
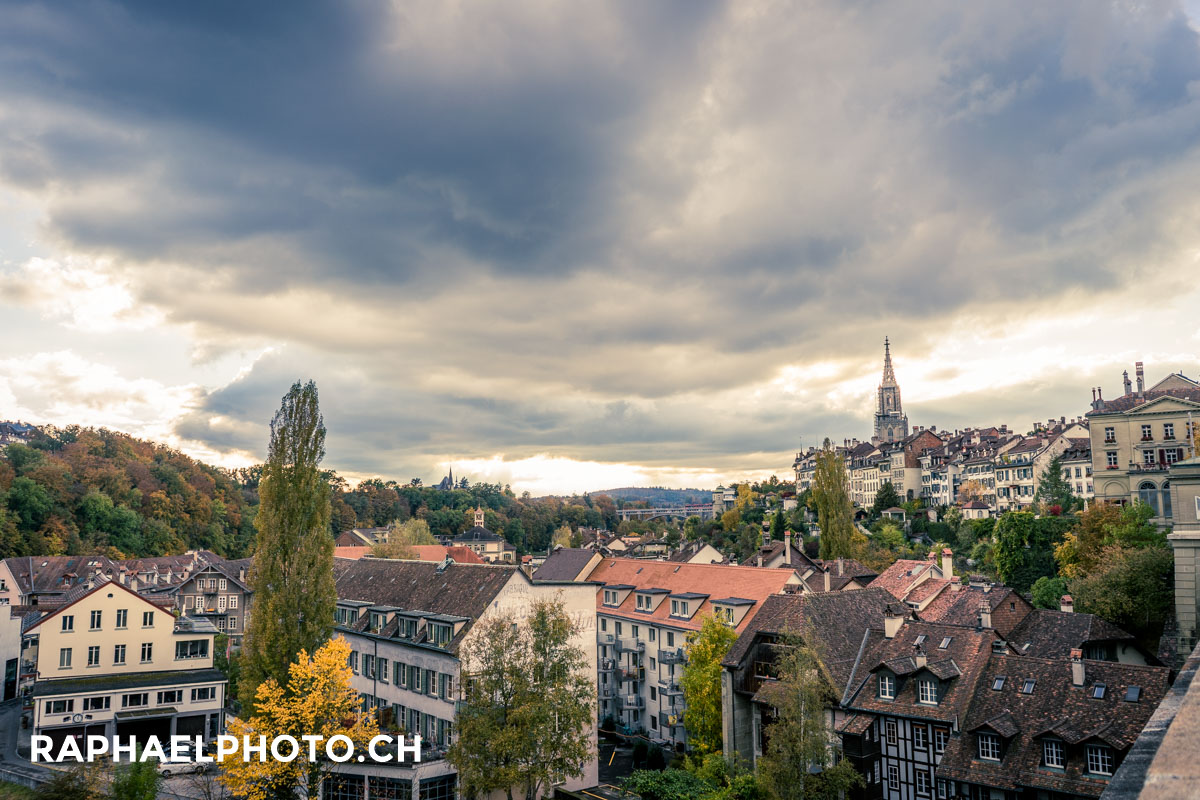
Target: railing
x,y
633,673
1148,467
607,665
675,656
668,686
632,701
631,645
667,719
605,638
606,692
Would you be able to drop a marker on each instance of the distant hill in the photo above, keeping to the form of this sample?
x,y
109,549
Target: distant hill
x,y
656,495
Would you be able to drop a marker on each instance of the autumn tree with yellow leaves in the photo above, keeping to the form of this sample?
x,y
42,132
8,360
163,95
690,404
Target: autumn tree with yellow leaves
x,y
701,683
318,700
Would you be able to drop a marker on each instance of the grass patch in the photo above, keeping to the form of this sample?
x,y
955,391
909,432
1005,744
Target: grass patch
x,y
15,791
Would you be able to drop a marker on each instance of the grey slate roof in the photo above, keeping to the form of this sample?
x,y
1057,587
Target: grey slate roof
x,y
564,564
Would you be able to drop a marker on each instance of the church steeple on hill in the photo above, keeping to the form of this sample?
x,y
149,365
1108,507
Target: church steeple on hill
x,y
891,425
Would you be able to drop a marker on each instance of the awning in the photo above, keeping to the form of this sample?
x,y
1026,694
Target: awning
x,y
144,713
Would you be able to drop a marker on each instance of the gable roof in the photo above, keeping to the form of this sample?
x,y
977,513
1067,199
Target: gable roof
x,y
1055,708
961,606
57,574
799,560
564,564
1130,402
713,580
462,590
478,534
81,591
1054,634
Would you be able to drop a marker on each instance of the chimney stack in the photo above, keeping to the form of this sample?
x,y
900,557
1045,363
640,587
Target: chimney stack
x,y
760,558
242,574
828,584
1066,603
985,615
947,563
1141,378
841,566
919,657
892,620
1078,671
787,548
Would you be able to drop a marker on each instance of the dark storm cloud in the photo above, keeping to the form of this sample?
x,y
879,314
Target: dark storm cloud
x,y
597,230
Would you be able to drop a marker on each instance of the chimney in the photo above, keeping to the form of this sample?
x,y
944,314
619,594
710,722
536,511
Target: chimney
x,y
1141,378
787,548
828,585
947,563
1066,603
133,583
892,620
242,574
919,657
760,558
985,615
1078,672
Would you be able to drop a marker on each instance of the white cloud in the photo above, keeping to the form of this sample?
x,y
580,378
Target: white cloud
x,y
83,294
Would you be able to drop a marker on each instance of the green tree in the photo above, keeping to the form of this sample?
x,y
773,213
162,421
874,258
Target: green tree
x,y
561,537
835,514
137,780
885,498
798,763
777,526
701,683
669,784
294,593
1047,591
30,502
1053,488
1103,526
527,704
1132,588
1013,532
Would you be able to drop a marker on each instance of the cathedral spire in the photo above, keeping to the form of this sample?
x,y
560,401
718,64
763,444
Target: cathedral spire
x,y
888,375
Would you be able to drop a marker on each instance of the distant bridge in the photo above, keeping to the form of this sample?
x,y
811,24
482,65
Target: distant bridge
x,y
682,512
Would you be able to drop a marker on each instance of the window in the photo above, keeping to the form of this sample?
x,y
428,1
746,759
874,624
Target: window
x,y
1110,435
429,684
60,706
233,623
187,601
204,693
921,639
889,729
118,654
122,617
887,687
233,601
95,623
381,665
671,634
97,703
1099,760
64,658
927,691
134,700
354,661
1146,434
94,656
170,696
68,623
922,780
222,584
1111,457
147,619
1027,687
940,737
945,643
1147,457
1052,753
998,683
440,634
1168,430
636,630
147,652
652,634
989,747
398,675
920,736
610,597
1097,692
221,603
368,665
893,777
443,685
943,789
194,648
1133,694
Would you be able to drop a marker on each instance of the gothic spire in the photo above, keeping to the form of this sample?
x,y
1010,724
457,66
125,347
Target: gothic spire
x,y
888,375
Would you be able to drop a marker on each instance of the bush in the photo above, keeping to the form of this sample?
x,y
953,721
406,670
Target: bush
x,y
640,751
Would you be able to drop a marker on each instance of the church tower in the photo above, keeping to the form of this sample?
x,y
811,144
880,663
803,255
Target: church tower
x,y
890,423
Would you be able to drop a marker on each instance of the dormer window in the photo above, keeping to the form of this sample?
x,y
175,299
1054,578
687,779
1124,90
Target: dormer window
x,y
887,687
440,634
1099,760
1052,754
679,608
989,747
610,597
927,691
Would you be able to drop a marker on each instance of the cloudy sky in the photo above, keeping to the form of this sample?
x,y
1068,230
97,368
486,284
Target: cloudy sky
x,y
581,245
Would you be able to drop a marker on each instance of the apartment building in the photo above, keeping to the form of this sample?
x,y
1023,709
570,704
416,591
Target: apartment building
x,y
1136,437
1076,463
406,623
645,611
489,546
109,662
221,593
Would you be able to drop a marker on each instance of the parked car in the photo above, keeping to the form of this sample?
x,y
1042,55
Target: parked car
x,y
182,767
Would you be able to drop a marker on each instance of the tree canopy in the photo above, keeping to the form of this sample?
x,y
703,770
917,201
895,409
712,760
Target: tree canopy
x,y
701,683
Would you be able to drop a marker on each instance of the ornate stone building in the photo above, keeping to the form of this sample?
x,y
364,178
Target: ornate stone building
x,y
891,425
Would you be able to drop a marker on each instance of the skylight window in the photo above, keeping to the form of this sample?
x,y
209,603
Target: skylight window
x,y
945,643
1098,691
1027,687
921,639
998,683
1133,694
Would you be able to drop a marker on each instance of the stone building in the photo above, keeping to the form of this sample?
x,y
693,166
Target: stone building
x,y
891,424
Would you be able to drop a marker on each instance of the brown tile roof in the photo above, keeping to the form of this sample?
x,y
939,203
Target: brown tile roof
x,y
56,574
961,606
564,564
1132,401
714,580
1054,634
899,577
959,664
849,566
834,622
1057,709
800,561
929,589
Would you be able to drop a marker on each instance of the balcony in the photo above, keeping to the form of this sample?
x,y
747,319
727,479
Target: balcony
x,y
605,638
631,645
606,692
1147,438
606,665
1148,467
633,673
668,720
631,702
668,686
675,656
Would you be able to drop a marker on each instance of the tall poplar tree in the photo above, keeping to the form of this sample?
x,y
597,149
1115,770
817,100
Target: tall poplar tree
x,y
292,579
835,514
